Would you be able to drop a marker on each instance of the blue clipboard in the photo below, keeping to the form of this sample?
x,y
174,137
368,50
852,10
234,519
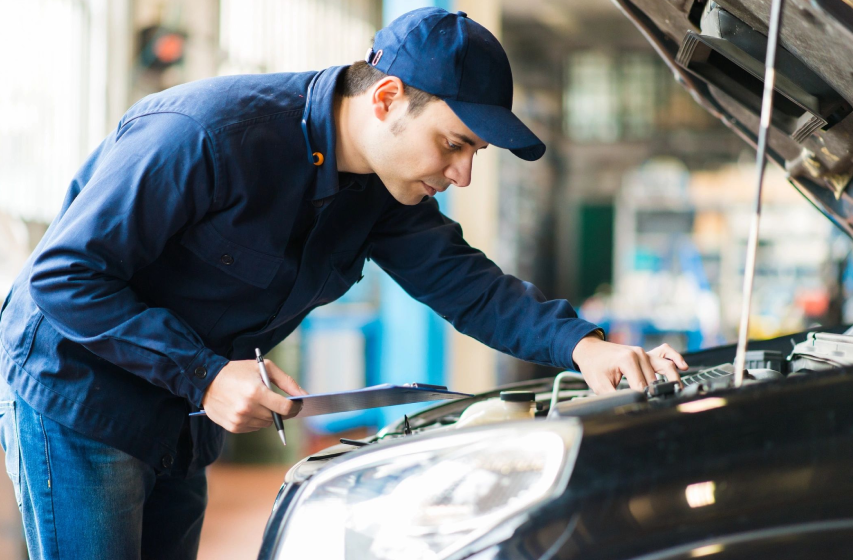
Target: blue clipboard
x,y
370,397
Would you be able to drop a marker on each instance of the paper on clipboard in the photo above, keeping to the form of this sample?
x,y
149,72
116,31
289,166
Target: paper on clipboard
x,y
372,397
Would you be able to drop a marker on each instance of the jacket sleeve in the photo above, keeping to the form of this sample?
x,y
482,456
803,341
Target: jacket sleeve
x,y
425,253
158,176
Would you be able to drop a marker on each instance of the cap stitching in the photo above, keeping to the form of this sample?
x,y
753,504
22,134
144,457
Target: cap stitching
x,y
464,58
406,38
402,41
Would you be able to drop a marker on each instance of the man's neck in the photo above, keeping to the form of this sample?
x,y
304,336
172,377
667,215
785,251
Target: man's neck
x,y
347,153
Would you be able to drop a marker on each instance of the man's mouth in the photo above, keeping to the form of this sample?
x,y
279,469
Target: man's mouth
x,y
431,190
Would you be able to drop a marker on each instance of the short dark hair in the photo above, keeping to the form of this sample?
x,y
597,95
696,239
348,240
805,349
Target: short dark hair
x,y
359,77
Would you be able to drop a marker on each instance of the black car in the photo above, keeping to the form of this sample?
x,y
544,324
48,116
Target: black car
x,y
760,471
763,470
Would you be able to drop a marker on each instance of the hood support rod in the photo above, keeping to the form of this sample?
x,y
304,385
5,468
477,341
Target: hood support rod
x,y
760,165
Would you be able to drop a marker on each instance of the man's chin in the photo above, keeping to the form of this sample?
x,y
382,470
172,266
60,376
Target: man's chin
x,y
408,197
415,201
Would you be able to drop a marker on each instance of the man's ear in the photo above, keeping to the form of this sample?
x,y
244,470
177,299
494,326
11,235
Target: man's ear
x,y
387,95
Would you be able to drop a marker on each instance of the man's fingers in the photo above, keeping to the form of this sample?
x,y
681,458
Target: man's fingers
x,y
665,360
633,372
666,351
677,359
242,425
646,366
250,408
278,403
604,388
259,424
239,401
247,427
284,381
603,363
600,384
255,414
665,367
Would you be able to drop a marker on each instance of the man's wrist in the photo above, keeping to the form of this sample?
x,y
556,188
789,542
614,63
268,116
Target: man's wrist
x,y
201,374
584,344
566,338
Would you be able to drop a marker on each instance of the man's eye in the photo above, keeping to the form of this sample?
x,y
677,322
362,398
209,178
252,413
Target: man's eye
x,y
452,146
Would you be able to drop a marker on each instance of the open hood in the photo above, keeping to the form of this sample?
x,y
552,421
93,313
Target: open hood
x,y
717,49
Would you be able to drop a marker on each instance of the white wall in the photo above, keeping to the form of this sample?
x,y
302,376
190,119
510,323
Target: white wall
x,y
295,35
53,103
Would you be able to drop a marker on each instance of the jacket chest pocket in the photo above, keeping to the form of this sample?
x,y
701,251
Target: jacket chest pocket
x,y
232,290
244,264
346,267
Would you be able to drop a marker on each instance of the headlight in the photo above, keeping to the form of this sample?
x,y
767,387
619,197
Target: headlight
x,y
428,498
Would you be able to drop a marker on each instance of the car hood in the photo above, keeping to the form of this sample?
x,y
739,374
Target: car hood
x,y
716,51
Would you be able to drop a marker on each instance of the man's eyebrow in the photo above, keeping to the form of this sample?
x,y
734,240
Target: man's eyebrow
x,y
467,140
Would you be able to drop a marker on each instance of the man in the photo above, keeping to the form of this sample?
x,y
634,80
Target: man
x,y
210,222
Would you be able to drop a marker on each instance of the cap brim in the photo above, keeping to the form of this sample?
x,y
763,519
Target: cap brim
x,y
499,126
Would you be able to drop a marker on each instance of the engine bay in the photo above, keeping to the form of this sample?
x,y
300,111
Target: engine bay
x,y
567,395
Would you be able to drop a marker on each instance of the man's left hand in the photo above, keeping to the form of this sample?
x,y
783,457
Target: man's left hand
x,y
603,364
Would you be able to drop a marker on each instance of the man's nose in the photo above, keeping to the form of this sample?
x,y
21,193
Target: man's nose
x,y
459,172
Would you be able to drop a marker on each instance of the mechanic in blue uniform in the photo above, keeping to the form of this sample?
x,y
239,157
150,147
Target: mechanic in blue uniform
x,y
211,221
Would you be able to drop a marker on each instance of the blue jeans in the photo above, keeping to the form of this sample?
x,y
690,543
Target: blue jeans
x,y
81,499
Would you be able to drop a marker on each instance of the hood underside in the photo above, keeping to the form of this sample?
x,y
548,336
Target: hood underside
x,y
716,50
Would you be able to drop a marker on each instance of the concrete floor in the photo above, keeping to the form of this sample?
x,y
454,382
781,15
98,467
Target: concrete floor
x,y
240,500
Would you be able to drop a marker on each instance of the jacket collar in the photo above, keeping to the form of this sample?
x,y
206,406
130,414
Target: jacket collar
x,y
320,117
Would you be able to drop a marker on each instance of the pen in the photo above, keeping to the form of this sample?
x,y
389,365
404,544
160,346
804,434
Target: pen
x,y
276,418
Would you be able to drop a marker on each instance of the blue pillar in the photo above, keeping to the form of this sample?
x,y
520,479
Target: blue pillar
x,y
413,340
392,9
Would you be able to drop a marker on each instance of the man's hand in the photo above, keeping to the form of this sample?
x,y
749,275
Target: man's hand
x,y
239,401
603,364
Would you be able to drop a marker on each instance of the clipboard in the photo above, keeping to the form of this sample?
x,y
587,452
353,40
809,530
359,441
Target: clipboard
x,y
376,396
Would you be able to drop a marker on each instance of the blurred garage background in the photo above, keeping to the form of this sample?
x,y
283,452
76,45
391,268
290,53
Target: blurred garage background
x,y
637,213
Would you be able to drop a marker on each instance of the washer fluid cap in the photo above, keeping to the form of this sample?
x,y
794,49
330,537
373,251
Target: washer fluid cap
x,y
518,396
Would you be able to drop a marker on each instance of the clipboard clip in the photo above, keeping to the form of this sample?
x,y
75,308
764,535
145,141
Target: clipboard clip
x,y
426,386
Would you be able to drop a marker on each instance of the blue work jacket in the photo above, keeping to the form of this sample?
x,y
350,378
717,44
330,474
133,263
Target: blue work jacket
x,y
201,229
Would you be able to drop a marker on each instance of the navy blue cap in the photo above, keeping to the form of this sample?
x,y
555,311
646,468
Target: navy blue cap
x,y
459,61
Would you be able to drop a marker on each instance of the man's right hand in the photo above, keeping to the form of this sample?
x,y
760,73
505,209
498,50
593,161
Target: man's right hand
x,y
238,400
603,364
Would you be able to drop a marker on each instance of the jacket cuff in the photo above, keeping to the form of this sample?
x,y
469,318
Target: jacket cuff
x,y
567,338
200,373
